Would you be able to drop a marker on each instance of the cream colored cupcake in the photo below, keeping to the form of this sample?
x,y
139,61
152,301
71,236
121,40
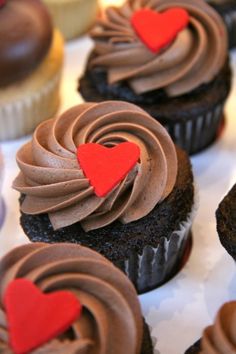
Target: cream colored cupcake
x,y
30,67
73,17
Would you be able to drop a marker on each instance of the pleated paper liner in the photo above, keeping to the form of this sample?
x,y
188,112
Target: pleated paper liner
x,y
194,135
21,117
155,266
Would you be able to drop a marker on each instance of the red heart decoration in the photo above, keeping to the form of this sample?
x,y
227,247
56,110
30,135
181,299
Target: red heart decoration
x,y
157,30
2,3
35,318
106,167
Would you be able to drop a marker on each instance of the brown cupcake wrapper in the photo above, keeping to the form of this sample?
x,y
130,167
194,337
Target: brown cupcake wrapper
x,y
157,265
21,117
194,135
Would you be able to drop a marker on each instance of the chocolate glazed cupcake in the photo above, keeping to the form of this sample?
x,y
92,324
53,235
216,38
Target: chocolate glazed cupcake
x,y
110,320
227,9
184,85
31,60
220,337
143,224
226,222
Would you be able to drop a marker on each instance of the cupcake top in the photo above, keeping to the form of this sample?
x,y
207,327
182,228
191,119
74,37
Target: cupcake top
x,y
190,51
221,336
110,320
25,37
96,163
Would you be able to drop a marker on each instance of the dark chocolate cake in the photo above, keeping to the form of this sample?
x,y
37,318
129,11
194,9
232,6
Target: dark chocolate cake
x,y
226,222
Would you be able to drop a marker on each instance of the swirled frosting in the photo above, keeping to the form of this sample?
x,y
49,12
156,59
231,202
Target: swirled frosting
x,y
25,37
111,320
194,58
220,338
53,182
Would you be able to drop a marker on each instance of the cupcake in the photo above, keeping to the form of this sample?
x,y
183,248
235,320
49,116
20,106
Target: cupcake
x,y
226,222
73,17
181,77
2,211
227,9
220,337
30,67
73,301
108,176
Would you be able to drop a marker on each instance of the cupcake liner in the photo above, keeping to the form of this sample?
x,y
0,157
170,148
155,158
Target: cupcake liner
x,y
157,265
20,117
196,134
73,17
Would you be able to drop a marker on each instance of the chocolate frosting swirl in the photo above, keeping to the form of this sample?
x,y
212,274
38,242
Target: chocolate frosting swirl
x,y
194,58
53,182
220,338
25,37
111,320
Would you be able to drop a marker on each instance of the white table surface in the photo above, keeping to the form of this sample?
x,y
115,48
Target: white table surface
x,y
179,310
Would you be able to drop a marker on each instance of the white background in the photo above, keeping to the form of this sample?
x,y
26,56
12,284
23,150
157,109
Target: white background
x,y
179,310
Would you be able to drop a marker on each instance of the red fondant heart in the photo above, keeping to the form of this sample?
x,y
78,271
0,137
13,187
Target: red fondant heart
x,y
35,318
2,3
157,30
106,167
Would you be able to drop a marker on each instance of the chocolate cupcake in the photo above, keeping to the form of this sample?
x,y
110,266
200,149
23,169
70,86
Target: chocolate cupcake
x,y
107,315
226,222
181,77
30,67
220,337
227,9
75,187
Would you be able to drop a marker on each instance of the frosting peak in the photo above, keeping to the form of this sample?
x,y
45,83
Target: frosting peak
x,y
54,183
111,310
195,57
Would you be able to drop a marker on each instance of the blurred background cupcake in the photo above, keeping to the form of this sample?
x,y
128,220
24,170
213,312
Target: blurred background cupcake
x,y
73,17
109,319
30,67
226,222
182,78
227,9
220,337
141,221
